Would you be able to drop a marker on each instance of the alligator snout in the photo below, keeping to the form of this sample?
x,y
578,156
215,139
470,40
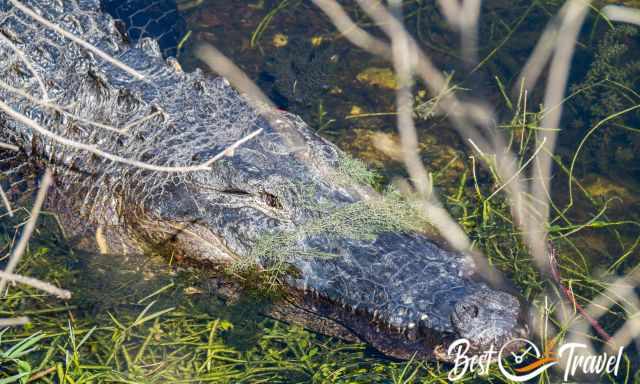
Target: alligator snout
x,y
488,317
406,296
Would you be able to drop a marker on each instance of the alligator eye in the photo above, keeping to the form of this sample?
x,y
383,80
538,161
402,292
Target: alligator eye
x,y
271,200
473,310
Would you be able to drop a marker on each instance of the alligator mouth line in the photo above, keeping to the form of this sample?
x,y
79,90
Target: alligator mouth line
x,y
361,325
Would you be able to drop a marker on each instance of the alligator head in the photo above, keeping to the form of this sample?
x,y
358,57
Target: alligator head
x,y
289,198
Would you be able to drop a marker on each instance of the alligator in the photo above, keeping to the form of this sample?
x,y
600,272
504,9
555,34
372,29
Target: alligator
x,y
398,289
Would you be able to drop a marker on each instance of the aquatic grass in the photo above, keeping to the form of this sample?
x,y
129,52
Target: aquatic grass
x,y
131,338
184,347
493,233
266,20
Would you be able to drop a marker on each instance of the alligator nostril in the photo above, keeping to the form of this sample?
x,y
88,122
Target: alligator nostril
x,y
471,310
271,200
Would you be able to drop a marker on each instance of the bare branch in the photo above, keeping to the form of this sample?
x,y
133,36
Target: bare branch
x,y
10,147
27,63
13,322
522,168
556,84
115,158
19,249
469,29
622,14
622,287
463,15
404,63
57,108
35,283
106,57
408,57
5,201
223,66
227,69
351,31
542,52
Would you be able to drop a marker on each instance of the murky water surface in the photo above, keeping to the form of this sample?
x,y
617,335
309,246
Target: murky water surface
x,y
347,95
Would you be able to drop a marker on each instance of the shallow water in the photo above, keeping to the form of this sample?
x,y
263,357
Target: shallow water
x,y
347,95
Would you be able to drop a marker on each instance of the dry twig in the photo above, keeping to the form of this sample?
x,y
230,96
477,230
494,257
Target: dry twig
x,y
205,166
35,283
47,24
19,249
15,321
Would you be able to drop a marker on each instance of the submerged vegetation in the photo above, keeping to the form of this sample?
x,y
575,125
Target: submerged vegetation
x,y
610,92
136,321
